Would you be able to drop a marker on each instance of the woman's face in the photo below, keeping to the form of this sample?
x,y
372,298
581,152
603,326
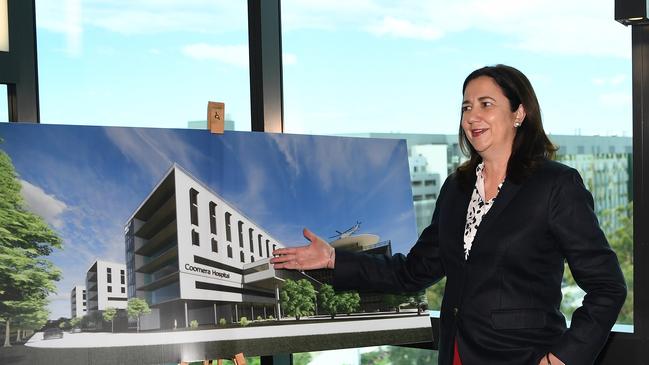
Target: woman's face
x,y
487,119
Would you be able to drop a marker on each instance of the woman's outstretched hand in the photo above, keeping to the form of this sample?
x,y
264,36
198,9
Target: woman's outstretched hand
x,y
316,255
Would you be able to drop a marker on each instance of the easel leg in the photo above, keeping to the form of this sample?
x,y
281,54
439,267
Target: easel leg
x,y
239,359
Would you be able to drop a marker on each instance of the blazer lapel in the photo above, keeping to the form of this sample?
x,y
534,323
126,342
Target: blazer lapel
x,y
505,196
460,203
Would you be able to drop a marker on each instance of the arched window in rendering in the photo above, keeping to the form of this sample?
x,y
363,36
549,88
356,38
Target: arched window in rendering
x,y
213,217
228,232
215,245
240,224
195,238
250,234
193,208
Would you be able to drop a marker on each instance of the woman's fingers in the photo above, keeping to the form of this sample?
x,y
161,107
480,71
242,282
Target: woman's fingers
x,y
309,235
282,258
313,256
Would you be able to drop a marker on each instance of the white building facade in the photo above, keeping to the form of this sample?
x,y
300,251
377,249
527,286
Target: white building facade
x,y
78,303
106,286
195,257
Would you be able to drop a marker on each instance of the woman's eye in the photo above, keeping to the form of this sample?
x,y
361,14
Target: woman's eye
x,y
465,108
487,103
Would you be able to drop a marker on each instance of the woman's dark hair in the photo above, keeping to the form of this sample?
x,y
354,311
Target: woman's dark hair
x,y
531,144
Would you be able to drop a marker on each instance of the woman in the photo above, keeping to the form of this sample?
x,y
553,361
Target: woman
x,y
503,225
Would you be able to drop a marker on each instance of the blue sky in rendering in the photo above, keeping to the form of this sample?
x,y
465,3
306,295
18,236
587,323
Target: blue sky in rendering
x,y
349,66
87,181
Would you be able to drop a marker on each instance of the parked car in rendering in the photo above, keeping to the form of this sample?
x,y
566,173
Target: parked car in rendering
x,y
52,333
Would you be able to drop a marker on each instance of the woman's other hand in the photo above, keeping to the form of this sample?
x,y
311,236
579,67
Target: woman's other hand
x,y
316,255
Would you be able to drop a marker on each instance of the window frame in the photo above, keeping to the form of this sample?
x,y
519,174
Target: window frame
x,y
264,22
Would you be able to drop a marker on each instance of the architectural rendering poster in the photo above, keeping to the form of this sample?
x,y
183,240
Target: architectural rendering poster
x,y
117,237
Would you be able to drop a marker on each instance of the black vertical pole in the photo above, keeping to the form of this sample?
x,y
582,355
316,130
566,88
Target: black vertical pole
x,y
265,50
266,93
18,67
624,348
640,72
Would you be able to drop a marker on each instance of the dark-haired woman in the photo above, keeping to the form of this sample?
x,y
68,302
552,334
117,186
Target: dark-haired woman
x,y
503,225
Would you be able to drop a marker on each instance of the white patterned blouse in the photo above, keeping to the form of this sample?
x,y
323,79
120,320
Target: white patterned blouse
x,y
476,210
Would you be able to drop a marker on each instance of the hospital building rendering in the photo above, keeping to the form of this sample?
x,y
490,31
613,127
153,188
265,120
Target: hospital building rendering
x,y
106,286
195,257
78,304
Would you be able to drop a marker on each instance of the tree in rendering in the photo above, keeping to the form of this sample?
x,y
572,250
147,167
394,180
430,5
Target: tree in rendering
x,y
30,313
395,301
298,298
349,302
109,315
328,300
75,322
31,316
136,307
25,238
418,300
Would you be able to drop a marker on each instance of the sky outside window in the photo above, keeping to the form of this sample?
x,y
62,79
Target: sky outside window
x,y
142,63
379,66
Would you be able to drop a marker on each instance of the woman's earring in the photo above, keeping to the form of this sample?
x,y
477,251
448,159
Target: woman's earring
x,y
517,124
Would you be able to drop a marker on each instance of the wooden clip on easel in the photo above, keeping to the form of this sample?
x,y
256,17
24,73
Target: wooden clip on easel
x,y
215,117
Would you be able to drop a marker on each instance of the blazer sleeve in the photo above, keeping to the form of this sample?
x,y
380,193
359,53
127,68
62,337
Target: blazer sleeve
x,y
418,270
594,266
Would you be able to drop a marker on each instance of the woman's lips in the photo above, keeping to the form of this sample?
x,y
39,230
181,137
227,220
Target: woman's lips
x,y
477,132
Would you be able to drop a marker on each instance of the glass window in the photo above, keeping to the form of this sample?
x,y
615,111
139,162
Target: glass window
x,y
401,77
228,232
110,289
123,290
122,277
195,238
250,234
109,275
240,225
267,248
229,251
122,63
242,257
4,106
193,206
213,217
215,245
259,240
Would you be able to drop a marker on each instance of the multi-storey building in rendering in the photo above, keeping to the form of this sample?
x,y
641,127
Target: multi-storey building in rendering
x,y
78,301
193,256
106,286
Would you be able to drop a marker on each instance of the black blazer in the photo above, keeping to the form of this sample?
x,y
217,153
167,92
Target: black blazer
x,y
502,304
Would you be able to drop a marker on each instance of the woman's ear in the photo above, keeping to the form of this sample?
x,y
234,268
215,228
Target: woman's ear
x,y
520,114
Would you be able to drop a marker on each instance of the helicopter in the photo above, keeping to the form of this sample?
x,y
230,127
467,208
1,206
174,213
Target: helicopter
x,y
348,232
